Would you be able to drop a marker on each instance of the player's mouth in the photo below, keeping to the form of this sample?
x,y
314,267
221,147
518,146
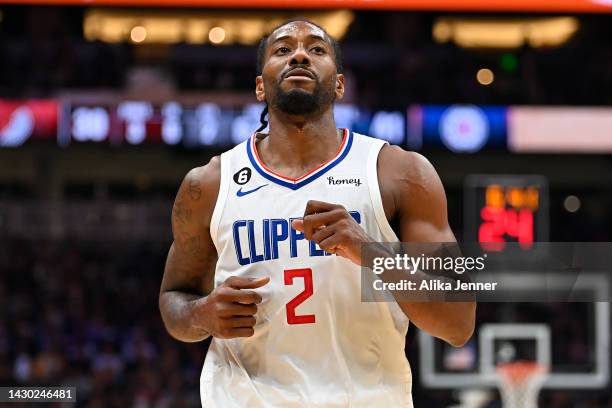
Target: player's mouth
x,y
299,74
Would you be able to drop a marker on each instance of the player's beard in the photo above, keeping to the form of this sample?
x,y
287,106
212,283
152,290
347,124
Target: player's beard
x,y
301,102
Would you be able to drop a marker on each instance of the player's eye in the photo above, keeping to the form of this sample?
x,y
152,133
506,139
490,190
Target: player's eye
x,y
282,50
318,49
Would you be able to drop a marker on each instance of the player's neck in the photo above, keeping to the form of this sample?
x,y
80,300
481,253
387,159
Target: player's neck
x,y
296,145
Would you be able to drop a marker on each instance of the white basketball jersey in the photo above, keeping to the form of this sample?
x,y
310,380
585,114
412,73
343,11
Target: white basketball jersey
x,y
316,344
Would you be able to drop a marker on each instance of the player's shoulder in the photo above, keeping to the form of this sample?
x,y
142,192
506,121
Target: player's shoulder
x,y
198,192
406,159
204,180
408,165
209,175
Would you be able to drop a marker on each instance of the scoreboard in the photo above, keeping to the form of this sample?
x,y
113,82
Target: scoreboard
x,y
192,121
506,208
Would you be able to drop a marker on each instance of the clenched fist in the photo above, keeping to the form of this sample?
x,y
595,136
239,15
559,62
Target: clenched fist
x,y
228,311
333,228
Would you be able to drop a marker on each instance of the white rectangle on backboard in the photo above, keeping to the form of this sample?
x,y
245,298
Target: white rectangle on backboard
x,y
560,129
431,377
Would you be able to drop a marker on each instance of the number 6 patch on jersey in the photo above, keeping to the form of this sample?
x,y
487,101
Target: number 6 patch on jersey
x,y
242,176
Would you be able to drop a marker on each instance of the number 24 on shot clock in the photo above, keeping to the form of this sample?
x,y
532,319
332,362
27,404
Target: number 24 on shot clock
x,y
504,208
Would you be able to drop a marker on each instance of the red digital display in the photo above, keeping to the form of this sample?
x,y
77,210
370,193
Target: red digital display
x,y
506,209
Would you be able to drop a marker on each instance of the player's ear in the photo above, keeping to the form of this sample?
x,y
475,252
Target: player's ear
x,y
259,88
339,86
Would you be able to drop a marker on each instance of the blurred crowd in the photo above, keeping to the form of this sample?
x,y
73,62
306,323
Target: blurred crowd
x,y
85,315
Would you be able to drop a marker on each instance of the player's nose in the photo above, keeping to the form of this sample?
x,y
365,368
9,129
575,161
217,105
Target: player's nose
x,y
300,57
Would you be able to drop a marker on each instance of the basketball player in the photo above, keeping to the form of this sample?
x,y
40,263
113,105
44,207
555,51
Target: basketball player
x,y
267,240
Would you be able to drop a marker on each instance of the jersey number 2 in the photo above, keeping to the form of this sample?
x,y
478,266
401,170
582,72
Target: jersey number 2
x,y
290,274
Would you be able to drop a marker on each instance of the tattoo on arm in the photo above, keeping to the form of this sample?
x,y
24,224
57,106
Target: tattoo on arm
x,y
195,191
181,214
191,244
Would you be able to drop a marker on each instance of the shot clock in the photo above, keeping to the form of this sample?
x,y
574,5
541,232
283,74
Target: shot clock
x,y
504,208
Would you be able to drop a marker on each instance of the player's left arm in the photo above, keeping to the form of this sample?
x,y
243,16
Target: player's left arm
x,y
413,193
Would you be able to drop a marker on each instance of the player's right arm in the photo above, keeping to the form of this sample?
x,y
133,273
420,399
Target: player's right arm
x,y
191,308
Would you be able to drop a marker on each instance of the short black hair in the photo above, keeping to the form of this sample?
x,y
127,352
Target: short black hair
x,y
263,43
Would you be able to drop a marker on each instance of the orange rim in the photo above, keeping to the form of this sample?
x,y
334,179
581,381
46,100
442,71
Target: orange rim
x,y
518,372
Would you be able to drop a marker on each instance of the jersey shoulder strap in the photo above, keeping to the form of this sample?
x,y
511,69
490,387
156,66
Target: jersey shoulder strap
x,y
373,147
227,163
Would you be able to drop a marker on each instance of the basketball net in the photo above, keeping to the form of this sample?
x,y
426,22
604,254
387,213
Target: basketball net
x,y
520,383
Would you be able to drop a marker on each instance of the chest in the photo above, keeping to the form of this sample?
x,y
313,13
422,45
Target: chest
x,y
260,229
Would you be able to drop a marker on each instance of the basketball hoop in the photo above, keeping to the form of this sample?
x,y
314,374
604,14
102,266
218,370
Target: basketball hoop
x,y
520,383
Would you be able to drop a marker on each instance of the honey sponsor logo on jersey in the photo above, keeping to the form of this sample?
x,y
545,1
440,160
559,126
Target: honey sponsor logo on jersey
x,y
335,182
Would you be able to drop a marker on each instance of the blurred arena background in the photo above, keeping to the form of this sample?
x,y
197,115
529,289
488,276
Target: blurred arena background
x,y
105,105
